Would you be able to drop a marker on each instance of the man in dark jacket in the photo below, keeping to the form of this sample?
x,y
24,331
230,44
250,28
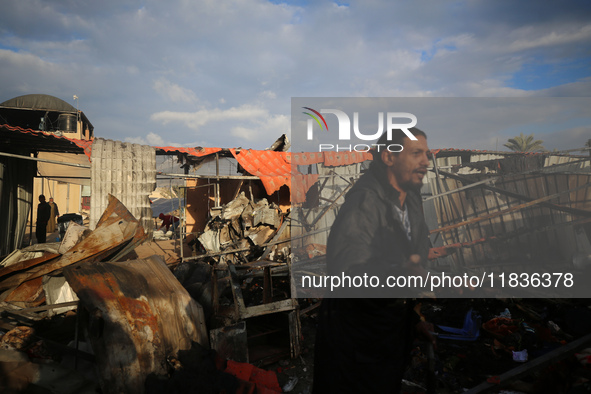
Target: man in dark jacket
x,y
43,214
362,344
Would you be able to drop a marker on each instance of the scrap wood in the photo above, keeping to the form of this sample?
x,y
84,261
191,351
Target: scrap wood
x,y
442,251
534,365
11,312
26,264
494,179
30,292
47,307
139,315
166,249
310,308
30,252
115,229
284,225
558,207
505,211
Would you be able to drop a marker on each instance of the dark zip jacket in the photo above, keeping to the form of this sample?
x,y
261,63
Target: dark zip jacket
x,y
364,336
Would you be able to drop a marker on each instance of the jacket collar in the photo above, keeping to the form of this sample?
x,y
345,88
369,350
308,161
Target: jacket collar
x,y
412,202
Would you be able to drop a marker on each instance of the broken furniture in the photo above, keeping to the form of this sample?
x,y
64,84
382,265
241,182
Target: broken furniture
x,y
264,332
263,326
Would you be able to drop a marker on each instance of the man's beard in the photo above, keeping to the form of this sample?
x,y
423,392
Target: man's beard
x,y
412,187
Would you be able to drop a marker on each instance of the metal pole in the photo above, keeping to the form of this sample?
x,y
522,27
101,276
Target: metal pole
x,y
217,182
44,160
31,222
67,198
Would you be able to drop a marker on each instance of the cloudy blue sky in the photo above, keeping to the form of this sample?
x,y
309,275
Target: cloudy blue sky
x,y
222,73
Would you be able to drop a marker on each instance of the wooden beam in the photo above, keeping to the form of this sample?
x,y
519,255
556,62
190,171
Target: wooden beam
x,y
289,304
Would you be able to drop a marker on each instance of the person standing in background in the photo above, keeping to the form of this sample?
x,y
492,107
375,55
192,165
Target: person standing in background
x,y
55,213
43,214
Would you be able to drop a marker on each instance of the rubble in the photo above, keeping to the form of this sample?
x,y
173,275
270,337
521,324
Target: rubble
x,y
117,231
138,315
242,228
150,330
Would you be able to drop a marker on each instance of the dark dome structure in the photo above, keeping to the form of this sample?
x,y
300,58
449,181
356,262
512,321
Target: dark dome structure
x,y
43,112
42,102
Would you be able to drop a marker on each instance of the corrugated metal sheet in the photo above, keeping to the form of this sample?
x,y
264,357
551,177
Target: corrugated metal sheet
x,y
128,172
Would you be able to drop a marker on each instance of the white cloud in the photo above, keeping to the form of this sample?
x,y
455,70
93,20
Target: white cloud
x,y
532,37
136,140
155,139
226,71
174,92
267,130
267,94
195,120
151,139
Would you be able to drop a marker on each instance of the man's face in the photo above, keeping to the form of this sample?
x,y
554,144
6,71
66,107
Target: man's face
x,y
409,167
51,200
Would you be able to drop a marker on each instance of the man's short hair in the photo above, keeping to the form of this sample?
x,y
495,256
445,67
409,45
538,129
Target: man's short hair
x,y
42,197
398,137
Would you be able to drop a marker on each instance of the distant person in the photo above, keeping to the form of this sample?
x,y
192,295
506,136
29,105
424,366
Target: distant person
x,y
169,221
43,215
55,213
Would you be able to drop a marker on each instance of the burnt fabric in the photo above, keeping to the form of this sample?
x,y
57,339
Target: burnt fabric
x,y
362,343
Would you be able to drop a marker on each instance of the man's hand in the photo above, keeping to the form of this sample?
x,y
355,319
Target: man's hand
x,y
414,267
425,331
